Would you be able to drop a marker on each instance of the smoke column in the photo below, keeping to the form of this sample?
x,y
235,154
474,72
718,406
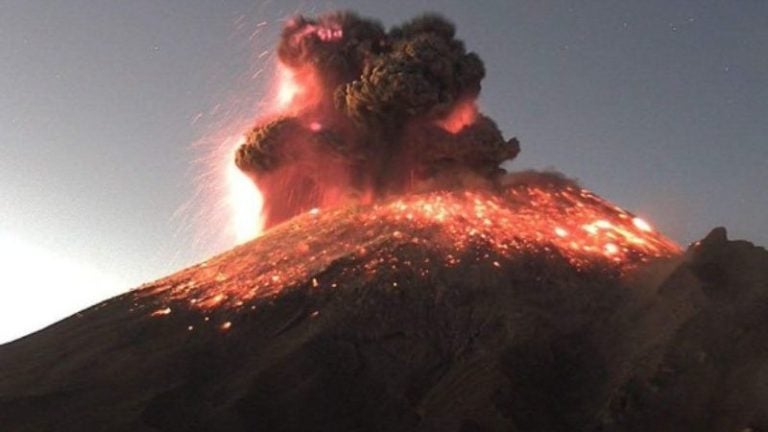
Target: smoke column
x,y
364,113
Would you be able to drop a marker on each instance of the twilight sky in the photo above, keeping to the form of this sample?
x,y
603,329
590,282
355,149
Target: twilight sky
x,y
111,114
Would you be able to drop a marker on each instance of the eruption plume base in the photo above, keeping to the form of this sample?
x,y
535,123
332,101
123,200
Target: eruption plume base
x,y
386,112
547,219
244,199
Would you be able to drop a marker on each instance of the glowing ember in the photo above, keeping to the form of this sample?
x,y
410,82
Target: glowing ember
x,y
642,225
565,221
611,249
162,312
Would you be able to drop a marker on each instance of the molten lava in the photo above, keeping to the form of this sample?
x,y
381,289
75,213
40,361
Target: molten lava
x,y
460,226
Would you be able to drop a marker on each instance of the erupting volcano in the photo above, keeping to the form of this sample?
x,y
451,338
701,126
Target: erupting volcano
x,y
536,213
363,113
405,282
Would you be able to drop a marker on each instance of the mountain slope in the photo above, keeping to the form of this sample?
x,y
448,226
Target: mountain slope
x,y
367,319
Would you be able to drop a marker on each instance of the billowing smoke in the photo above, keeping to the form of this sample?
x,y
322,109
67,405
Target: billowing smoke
x,y
367,113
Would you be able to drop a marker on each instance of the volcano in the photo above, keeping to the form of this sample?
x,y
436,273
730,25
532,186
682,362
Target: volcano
x,y
541,308
406,282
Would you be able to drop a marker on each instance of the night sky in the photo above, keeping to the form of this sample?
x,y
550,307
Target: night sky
x,y
111,111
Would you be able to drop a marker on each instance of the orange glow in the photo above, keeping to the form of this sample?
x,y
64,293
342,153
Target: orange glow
x,y
295,90
464,114
642,225
287,87
162,312
292,91
244,200
567,222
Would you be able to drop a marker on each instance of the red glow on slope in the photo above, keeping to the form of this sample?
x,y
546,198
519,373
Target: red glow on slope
x,y
568,222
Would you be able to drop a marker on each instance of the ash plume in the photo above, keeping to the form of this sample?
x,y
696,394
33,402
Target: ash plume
x,y
371,112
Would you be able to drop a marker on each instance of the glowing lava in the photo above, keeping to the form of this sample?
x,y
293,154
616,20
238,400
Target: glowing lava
x,y
455,227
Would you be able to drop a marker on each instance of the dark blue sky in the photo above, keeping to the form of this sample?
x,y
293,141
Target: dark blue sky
x,y
660,106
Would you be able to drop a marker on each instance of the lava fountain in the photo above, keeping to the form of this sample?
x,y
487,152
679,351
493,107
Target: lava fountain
x,y
373,139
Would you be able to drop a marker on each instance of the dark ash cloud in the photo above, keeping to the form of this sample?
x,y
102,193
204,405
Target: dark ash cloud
x,y
380,112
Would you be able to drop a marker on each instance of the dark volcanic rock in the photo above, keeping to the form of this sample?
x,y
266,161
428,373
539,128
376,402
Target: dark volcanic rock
x,y
709,370
494,343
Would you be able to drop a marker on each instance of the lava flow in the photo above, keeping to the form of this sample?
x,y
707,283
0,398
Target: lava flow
x,y
549,218
377,144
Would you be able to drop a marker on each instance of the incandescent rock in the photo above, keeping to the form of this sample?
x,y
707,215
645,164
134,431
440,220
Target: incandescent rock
x,y
488,342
